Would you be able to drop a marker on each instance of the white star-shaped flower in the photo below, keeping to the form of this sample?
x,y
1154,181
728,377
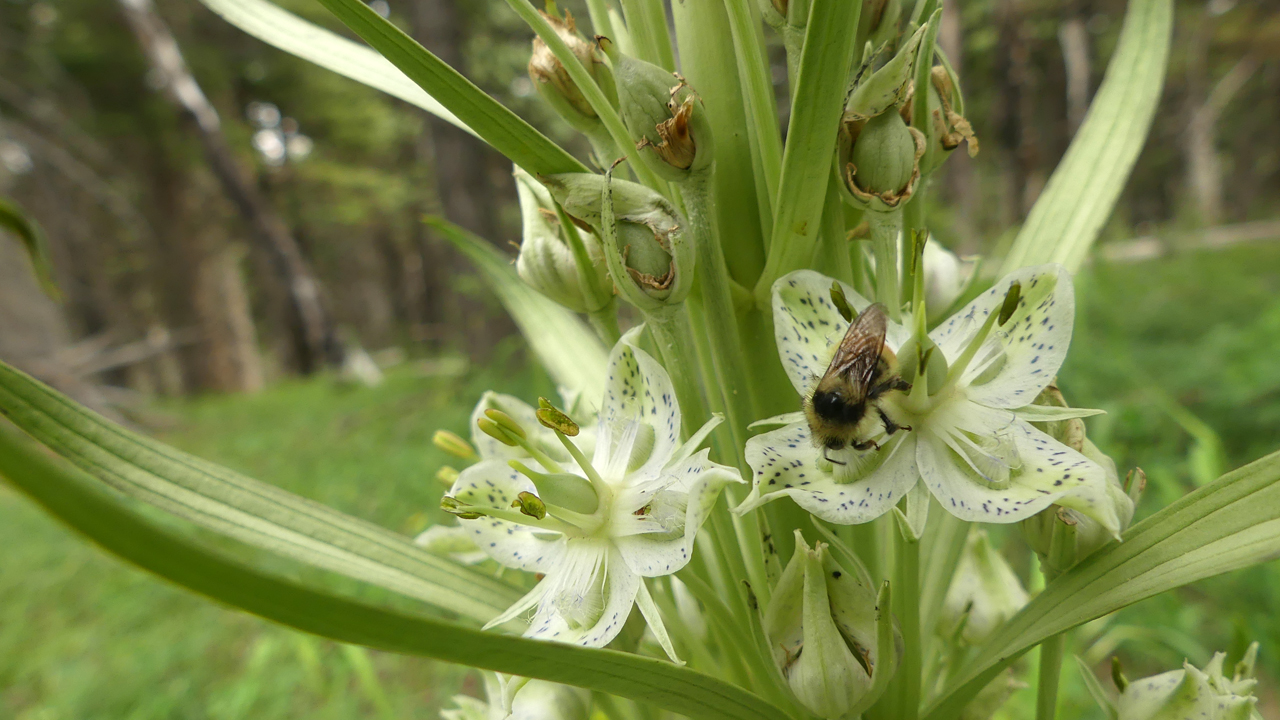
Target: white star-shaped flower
x,y
970,437
631,511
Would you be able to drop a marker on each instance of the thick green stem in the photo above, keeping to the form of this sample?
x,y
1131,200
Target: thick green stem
x,y
1050,672
904,691
707,61
671,334
713,301
885,230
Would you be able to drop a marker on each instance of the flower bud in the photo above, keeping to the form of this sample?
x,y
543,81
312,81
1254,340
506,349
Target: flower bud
x,y
880,158
661,108
521,699
547,261
946,277
1062,536
652,265
887,86
825,628
984,592
552,79
1193,693
879,21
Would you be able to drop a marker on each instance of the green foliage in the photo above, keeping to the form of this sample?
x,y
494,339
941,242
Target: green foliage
x,y
84,635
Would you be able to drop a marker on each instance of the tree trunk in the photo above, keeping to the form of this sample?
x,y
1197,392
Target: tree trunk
x,y
315,340
1074,38
1204,167
462,190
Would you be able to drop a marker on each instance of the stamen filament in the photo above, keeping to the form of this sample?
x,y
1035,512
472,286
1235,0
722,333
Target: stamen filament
x,y
537,454
602,488
970,350
515,516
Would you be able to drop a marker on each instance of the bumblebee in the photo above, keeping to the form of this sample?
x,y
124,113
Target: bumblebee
x,y
844,405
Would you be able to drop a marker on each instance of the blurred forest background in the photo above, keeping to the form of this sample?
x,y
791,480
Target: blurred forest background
x,y
246,275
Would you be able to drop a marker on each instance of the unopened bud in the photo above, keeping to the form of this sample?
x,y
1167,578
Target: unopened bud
x,y
453,444
823,626
880,160
984,593
879,21
1058,547
547,261
652,264
885,88
667,114
554,83
1193,693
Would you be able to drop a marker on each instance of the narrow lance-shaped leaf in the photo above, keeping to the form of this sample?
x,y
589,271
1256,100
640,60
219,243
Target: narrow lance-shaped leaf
x,y
1082,191
563,343
1230,523
488,118
250,511
816,106
282,29
75,498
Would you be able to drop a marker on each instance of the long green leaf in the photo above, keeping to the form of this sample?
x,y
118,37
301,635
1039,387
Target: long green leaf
x,y
488,118
14,220
1083,190
1231,523
563,343
282,29
816,106
74,497
252,512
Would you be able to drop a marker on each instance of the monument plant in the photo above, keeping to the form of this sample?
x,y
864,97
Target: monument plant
x,y
777,493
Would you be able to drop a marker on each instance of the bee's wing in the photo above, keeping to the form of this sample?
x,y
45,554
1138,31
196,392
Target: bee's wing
x,y
859,352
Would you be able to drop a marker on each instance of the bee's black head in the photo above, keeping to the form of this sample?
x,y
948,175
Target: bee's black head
x,y
832,406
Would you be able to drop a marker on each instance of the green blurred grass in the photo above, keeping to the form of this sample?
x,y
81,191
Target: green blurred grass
x,y
84,636
1180,351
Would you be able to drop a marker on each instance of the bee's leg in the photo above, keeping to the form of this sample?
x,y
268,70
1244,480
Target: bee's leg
x,y
865,445
890,427
828,458
900,384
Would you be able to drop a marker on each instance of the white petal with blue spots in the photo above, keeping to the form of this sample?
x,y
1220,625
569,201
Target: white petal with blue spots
x,y
1041,471
638,394
1018,360
665,521
786,463
492,484
587,599
808,327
